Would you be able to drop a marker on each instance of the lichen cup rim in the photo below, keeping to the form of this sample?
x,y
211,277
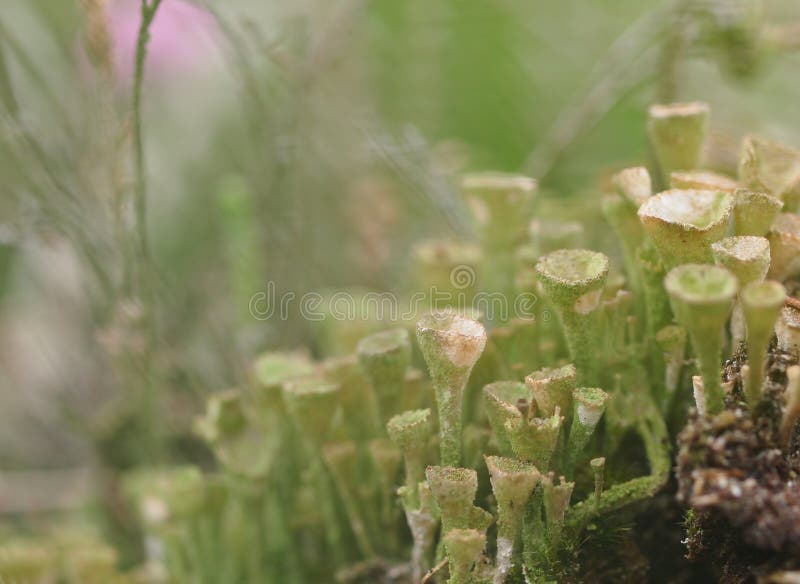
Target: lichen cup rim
x,y
450,323
685,203
633,184
723,288
452,480
504,466
574,267
310,385
381,342
683,109
744,194
411,417
713,181
497,389
592,397
744,248
764,294
409,422
746,256
285,366
752,142
562,372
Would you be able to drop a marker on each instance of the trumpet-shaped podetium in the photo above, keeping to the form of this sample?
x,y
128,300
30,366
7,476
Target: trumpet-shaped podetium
x,y
573,280
761,305
500,200
556,502
746,256
787,329
224,417
754,212
271,370
652,270
702,180
621,215
553,388
552,234
513,482
243,442
672,341
446,272
633,184
772,168
677,132
464,549
589,405
535,440
386,458
702,298
451,345
411,432
502,205
312,404
357,397
504,400
454,489
385,357
633,187
784,243
684,223
423,525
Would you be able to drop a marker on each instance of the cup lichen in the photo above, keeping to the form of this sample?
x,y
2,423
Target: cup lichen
x,y
761,305
702,299
451,345
684,223
677,132
573,280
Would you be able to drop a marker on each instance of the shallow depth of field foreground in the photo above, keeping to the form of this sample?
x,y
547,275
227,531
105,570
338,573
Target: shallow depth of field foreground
x,y
399,292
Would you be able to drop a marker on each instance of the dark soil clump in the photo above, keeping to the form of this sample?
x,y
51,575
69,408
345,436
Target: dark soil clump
x,y
741,484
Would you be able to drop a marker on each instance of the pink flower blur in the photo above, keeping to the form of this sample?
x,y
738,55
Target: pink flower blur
x,y
182,38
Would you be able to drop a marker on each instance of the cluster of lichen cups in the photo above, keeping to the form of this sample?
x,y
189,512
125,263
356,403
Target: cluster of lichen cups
x,y
699,253
322,444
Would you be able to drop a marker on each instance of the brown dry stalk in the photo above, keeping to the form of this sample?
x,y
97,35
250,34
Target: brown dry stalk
x,y
97,37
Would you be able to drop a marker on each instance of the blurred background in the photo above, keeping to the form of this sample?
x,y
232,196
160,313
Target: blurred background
x,y
310,144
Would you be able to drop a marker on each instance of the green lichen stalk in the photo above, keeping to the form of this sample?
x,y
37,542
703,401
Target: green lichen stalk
x,y
513,483
677,132
761,304
573,280
451,345
589,405
410,431
702,298
502,206
385,357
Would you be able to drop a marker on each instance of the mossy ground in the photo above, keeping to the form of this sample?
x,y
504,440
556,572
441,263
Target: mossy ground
x,y
741,483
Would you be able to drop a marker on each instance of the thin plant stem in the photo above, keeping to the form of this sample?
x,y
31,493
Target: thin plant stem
x,y
149,406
